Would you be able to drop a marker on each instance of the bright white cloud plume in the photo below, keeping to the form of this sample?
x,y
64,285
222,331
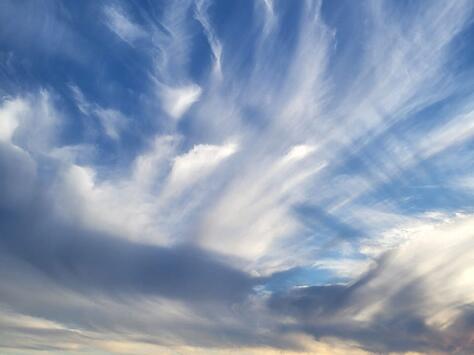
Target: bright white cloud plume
x,y
9,114
196,164
176,101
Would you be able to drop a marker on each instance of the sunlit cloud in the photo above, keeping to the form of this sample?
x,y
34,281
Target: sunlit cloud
x,y
251,177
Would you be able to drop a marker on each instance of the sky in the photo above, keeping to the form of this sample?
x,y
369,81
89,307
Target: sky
x,y
236,177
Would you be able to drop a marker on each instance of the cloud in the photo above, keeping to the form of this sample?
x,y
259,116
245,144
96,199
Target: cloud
x,y
176,101
216,46
113,122
119,267
419,293
29,122
267,177
196,164
122,26
9,122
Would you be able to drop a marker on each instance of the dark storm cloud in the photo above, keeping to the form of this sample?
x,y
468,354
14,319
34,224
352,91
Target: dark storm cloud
x,y
81,258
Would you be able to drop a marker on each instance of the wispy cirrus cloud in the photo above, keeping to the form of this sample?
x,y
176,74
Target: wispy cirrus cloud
x,y
118,22
176,101
260,176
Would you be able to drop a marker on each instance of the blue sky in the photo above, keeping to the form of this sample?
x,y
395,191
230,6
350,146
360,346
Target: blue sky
x,y
236,177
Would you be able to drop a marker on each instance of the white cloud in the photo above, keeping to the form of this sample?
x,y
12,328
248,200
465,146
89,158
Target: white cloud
x,y
32,120
440,259
195,165
122,26
177,100
346,268
254,213
84,106
299,152
216,46
151,166
285,163
10,113
269,15
112,121
298,130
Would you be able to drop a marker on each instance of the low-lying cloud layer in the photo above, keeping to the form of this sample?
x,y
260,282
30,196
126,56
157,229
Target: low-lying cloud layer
x,y
236,177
